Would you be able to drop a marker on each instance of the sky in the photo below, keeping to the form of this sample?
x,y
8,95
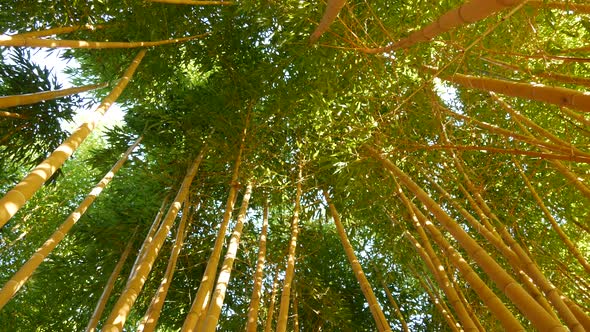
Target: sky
x,y
51,59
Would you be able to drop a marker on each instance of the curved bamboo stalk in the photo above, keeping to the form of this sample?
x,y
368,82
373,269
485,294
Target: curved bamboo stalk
x,y
535,126
150,319
201,301
57,31
333,7
489,233
22,192
290,270
196,2
568,243
438,303
33,98
553,95
560,147
439,273
24,273
106,293
542,320
392,300
210,323
4,114
467,13
573,178
374,306
488,297
120,311
15,41
548,75
524,261
252,319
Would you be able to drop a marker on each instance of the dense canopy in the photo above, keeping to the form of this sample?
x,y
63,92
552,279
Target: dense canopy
x,y
296,165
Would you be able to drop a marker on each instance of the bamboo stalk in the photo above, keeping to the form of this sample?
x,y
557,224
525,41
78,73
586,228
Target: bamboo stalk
x,y
374,307
33,98
290,270
526,304
559,96
106,292
271,305
120,311
26,271
16,41
13,115
210,323
149,320
22,192
333,7
201,301
467,13
57,31
252,319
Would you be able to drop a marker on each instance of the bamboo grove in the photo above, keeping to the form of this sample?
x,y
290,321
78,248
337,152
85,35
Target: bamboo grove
x,y
296,166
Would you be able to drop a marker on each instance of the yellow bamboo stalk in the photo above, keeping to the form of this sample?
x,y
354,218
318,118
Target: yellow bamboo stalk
x,y
120,311
32,98
106,293
568,243
271,305
429,256
252,319
24,273
520,119
196,2
210,323
374,306
57,31
524,262
150,319
533,91
489,233
290,270
333,8
201,301
13,115
16,41
467,13
395,306
438,303
22,192
559,146
542,320
149,237
295,310
548,75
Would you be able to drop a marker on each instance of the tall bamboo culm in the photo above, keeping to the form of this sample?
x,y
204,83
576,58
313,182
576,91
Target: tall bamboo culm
x,y
252,319
120,311
23,191
374,306
201,301
106,292
290,270
210,322
25,272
